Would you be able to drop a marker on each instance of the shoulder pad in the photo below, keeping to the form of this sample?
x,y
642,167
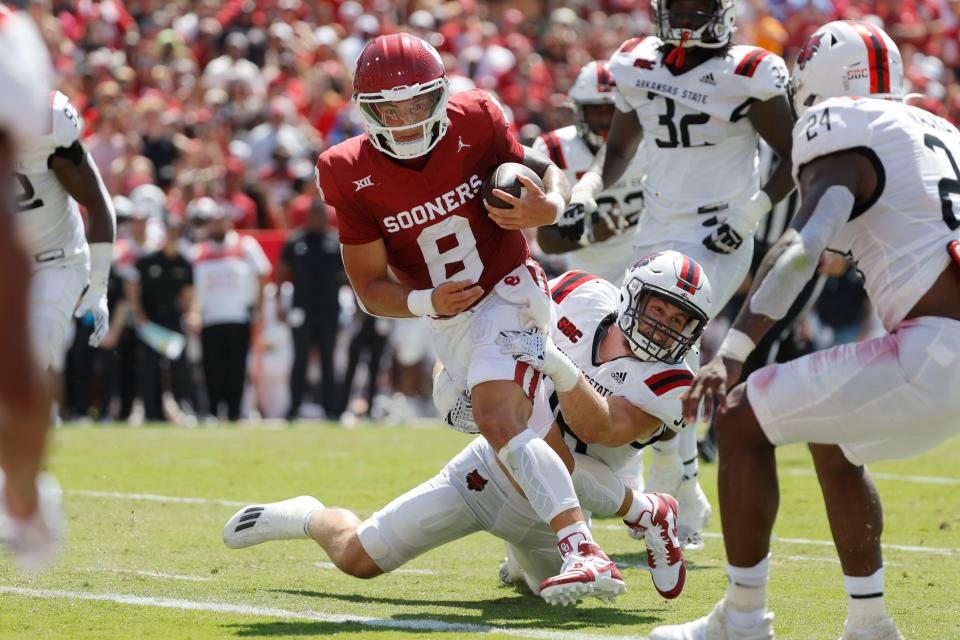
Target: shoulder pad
x,y
833,125
66,125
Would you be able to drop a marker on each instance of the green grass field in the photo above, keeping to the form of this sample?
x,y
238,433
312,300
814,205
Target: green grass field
x,y
145,560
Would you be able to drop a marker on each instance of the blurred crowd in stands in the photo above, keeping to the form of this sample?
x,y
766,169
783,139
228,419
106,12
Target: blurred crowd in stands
x,y
205,118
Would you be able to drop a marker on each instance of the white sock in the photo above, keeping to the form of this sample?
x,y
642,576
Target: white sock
x,y
688,451
289,518
599,490
746,600
571,536
540,473
640,504
865,598
665,447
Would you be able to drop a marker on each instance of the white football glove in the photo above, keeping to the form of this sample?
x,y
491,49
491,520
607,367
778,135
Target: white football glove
x,y
94,299
453,403
730,232
538,350
575,223
35,542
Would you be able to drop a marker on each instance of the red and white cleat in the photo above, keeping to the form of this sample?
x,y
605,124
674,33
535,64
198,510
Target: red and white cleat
x,y
585,572
664,552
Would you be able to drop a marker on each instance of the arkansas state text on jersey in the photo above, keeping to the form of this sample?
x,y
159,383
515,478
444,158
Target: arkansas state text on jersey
x,y
432,220
699,118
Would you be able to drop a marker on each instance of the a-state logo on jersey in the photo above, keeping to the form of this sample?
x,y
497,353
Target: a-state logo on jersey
x,y
439,206
810,48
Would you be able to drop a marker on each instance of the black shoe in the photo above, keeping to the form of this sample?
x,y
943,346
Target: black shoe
x,y
707,449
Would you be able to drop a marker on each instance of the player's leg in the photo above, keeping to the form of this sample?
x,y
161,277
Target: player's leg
x,y
856,522
749,498
298,372
423,518
653,516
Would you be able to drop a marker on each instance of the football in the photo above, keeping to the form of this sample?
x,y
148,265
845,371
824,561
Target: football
x,y
504,178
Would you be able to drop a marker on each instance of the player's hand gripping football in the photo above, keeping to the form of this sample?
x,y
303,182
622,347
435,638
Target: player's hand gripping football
x,y
532,210
450,298
710,386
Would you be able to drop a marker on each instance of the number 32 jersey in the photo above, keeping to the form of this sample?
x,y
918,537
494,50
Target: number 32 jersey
x,y
431,220
46,214
702,146
899,237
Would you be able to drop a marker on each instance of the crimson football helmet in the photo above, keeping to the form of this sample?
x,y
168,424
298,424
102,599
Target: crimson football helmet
x,y
846,58
400,86
677,279
594,86
715,31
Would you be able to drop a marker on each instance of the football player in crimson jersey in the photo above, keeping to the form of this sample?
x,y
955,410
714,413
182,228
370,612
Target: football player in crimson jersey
x,y
698,102
877,179
29,519
417,241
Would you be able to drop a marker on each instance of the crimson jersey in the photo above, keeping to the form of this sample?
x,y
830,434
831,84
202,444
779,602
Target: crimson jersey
x,y
432,219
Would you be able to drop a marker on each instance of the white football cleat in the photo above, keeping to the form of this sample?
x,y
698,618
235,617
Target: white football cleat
x,y
511,572
37,541
585,572
284,520
664,553
694,514
715,626
883,629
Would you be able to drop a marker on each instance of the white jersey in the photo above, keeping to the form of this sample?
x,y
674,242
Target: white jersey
x,y
899,238
702,147
46,214
570,152
586,310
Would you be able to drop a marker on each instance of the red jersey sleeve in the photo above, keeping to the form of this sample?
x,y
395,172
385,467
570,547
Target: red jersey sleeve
x,y
355,226
507,146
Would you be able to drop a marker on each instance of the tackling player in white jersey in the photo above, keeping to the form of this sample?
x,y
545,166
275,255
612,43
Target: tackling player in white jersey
x,y
630,346
698,103
30,515
54,172
601,243
877,180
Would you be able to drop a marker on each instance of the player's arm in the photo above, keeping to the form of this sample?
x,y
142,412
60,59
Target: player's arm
x,y
611,422
537,207
769,119
830,187
78,174
379,295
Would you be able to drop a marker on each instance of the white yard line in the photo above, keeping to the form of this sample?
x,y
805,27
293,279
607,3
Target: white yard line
x,y
414,624
941,551
417,572
880,475
147,574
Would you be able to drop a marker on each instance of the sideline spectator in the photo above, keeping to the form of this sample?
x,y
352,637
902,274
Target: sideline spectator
x,y
229,273
311,260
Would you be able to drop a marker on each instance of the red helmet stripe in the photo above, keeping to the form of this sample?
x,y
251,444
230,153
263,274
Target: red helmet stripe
x,y
695,277
877,54
604,82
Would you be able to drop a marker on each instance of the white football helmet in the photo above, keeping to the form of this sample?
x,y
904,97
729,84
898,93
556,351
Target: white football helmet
x,y
671,276
846,58
594,86
395,69
25,77
716,32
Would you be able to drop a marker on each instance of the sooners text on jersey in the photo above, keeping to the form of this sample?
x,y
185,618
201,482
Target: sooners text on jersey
x,y
432,220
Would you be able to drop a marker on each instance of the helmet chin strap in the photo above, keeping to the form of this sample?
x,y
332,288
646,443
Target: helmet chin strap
x,y
678,56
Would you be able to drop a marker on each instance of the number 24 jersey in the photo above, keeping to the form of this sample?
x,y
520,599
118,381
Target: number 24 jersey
x,y
899,237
